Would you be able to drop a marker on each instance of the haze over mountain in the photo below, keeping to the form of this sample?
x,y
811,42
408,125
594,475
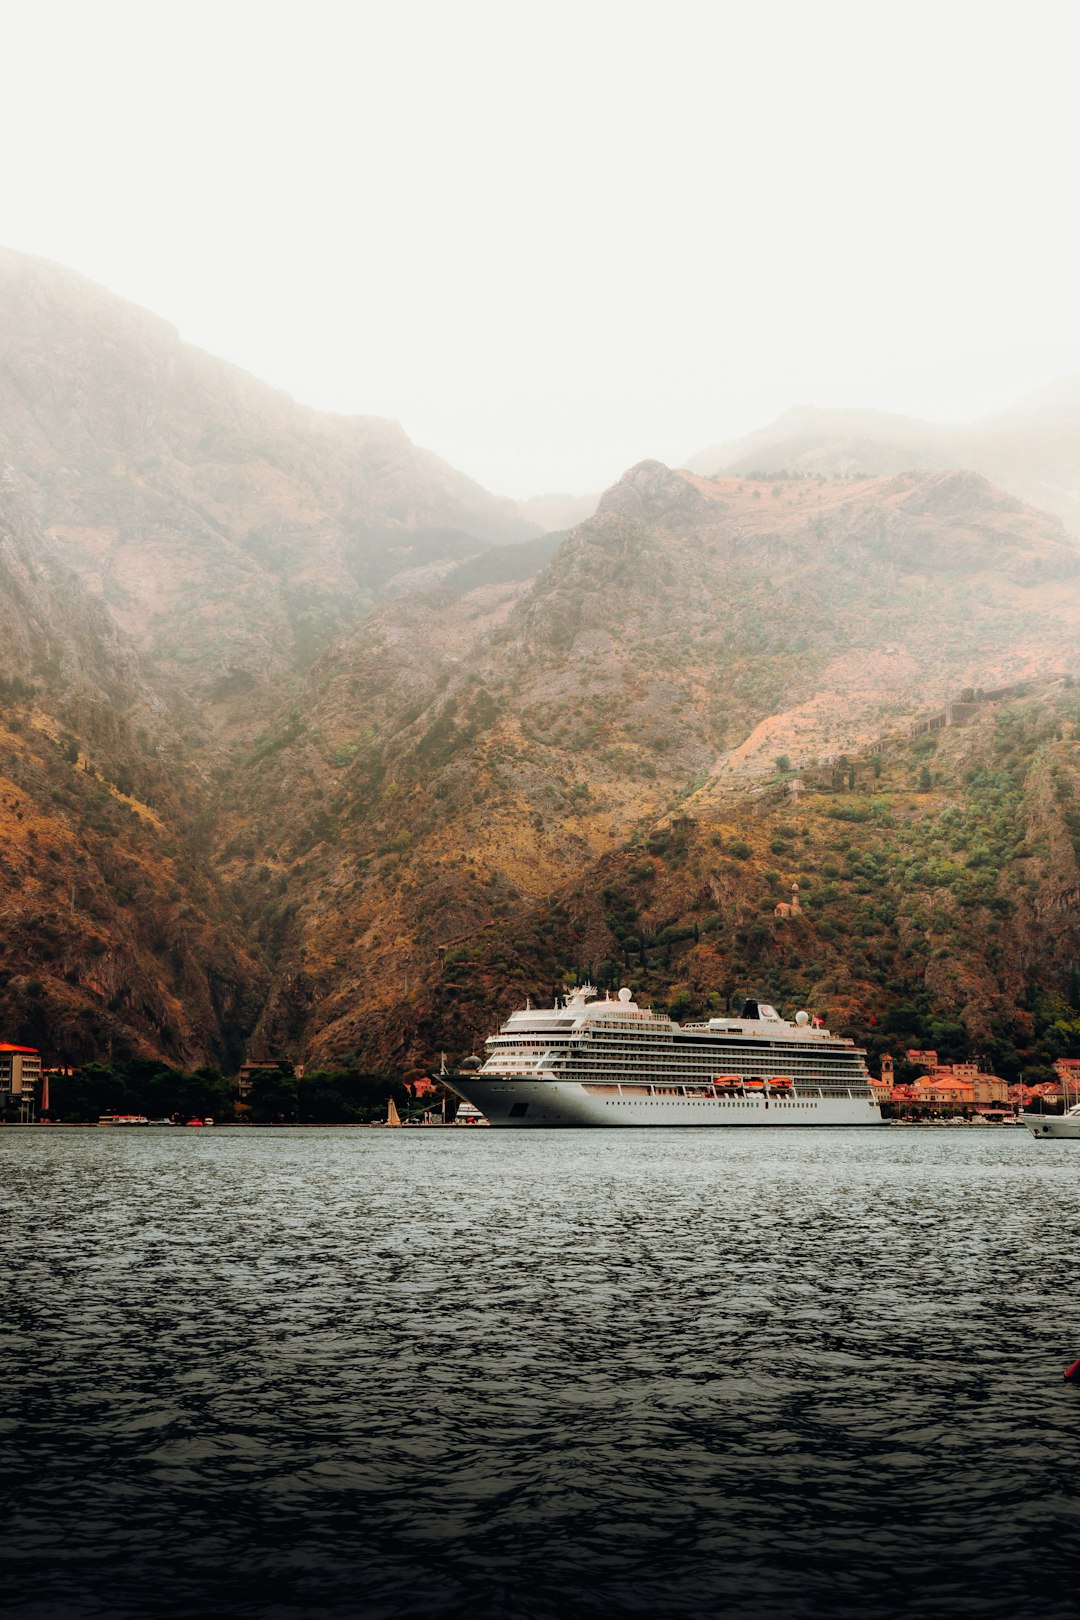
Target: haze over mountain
x,y
678,641
1032,449
116,932
229,530
310,746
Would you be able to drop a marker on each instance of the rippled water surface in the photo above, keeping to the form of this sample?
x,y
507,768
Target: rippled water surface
x,y
403,1373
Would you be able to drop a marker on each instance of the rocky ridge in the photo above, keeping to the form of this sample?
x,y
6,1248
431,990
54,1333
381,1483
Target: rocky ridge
x,y
308,746
230,531
677,643
1031,450
116,931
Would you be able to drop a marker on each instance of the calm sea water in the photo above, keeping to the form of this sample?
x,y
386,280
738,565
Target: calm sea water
x,y
292,1373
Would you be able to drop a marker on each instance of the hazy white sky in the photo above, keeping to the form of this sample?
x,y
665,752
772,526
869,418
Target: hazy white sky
x,y
553,238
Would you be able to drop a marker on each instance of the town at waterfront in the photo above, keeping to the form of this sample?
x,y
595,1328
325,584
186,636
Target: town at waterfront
x,y
913,1088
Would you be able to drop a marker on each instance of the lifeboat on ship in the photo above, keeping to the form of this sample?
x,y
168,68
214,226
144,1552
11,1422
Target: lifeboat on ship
x,y
757,1084
782,1083
727,1084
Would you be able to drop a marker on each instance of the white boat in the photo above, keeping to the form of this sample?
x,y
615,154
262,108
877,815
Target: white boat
x,y
1058,1126
468,1114
613,1063
123,1119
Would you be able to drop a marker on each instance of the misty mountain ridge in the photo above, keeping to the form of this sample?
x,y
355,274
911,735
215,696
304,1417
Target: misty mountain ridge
x,y
1032,449
678,641
310,745
231,531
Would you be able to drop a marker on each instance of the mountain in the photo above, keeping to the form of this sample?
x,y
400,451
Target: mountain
x,y
230,531
1031,450
309,746
117,933
937,882
678,642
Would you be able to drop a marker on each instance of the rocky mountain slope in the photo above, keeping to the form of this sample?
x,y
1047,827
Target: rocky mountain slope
x,y
308,746
116,932
678,643
1031,450
937,890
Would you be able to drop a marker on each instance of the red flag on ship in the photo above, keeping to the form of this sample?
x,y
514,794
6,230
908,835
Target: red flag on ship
x,y
817,1023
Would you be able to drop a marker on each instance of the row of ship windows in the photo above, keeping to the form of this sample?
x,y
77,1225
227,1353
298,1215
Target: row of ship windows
x,y
632,1076
714,1060
825,1089
710,1102
665,1037
707,1071
605,1038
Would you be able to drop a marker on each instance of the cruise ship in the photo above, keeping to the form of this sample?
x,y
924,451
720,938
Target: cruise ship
x,y
610,1062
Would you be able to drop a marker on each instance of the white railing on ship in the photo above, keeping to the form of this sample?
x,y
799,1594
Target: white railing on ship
x,y
684,1089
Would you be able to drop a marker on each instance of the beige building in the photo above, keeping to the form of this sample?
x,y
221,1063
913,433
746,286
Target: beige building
x,y
1068,1072
20,1075
883,1088
986,1088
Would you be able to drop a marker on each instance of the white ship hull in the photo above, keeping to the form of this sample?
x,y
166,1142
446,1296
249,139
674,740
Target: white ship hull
x,y
544,1104
1057,1126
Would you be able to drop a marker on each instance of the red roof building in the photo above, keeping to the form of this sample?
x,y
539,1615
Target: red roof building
x,y
424,1087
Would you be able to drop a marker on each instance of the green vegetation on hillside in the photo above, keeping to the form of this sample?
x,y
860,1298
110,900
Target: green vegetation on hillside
x,y
922,908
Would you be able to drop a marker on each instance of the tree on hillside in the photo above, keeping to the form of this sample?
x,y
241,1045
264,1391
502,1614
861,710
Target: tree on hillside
x,y
274,1098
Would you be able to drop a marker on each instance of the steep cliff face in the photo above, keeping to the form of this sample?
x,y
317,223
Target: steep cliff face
x,y
463,767
116,935
1032,450
230,531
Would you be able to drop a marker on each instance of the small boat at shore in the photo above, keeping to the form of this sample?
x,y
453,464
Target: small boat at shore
x,y
1060,1127
467,1114
123,1119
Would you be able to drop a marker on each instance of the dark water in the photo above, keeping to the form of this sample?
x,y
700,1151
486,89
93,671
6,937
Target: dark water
x,y
467,1373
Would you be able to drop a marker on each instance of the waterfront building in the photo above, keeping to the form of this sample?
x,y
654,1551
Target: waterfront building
x,y
20,1075
956,1082
424,1086
883,1088
943,1087
264,1066
1026,1096
1068,1072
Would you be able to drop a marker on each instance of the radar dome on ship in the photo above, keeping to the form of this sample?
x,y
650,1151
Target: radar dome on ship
x,y
626,994
802,1019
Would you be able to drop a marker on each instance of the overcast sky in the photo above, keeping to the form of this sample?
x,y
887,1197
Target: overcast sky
x,y
552,239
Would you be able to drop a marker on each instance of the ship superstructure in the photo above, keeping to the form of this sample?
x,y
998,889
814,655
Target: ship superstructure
x,y
610,1062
